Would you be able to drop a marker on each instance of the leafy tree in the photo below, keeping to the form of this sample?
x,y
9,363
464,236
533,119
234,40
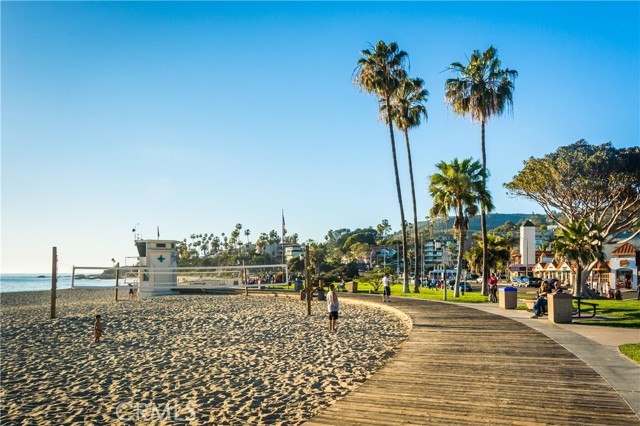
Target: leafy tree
x,y
581,243
459,186
380,72
407,112
481,90
595,183
359,250
365,236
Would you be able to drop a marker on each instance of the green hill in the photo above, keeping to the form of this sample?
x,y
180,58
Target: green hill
x,y
493,221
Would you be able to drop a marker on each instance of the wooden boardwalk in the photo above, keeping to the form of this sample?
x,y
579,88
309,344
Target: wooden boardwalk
x,y
462,366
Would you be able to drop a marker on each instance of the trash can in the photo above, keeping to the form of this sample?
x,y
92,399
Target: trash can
x,y
508,297
353,287
560,308
297,285
321,295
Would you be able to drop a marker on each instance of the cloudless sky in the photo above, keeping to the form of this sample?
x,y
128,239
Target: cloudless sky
x,y
193,117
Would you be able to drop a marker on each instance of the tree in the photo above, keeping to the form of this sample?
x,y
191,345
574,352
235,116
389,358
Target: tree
x,y
580,243
383,228
459,186
407,112
595,183
498,252
380,72
481,90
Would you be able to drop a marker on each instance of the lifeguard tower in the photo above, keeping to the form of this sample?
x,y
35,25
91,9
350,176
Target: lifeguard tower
x,y
158,261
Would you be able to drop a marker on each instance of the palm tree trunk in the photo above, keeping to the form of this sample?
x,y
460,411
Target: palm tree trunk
x,y
483,217
461,236
405,287
416,274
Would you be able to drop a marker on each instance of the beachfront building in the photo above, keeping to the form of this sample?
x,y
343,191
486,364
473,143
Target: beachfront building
x,y
158,261
291,250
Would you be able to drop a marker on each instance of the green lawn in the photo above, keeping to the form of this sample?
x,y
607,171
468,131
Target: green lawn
x,y
619,313
396,290
631,350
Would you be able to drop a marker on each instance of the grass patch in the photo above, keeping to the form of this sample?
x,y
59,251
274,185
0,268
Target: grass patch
x,y
620,313
427,294
632,351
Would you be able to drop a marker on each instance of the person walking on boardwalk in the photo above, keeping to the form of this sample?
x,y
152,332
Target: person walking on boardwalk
x,y
386,289
333,306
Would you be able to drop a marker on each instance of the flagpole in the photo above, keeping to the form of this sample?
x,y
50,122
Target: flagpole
x,y
284,231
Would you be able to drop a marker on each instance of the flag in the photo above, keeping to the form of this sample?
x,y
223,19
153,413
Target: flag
x,y
284,230
158,232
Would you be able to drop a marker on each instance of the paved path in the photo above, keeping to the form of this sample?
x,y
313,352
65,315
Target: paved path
x,y
482,365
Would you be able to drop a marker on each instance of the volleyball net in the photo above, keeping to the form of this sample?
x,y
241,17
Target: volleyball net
x,y
140,278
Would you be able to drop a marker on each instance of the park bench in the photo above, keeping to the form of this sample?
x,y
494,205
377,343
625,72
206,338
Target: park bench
x,y
591,307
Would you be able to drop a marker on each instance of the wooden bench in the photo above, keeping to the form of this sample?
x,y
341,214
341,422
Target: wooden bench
x,y
577,313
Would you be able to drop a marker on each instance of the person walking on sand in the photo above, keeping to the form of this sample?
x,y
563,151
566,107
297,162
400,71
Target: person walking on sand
x,y
332,306
97,329
386,289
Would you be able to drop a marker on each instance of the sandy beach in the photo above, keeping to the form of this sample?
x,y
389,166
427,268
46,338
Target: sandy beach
x,y
205,359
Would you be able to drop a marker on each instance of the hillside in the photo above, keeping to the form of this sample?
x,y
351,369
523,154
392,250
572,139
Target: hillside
x,y
493,221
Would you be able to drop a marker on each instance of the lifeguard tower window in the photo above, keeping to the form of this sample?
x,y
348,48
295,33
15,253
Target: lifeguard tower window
x,y
161,245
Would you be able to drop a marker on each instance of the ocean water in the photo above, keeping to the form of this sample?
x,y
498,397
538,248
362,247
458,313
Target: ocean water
x,y
35,282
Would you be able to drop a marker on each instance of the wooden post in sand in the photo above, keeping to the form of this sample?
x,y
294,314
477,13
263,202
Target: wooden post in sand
x,y
307,278
54,281
117,278
246,281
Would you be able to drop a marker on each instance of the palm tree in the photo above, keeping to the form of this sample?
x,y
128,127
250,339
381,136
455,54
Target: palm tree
x,y
498,252
481,90
407,111
459,186
380,72
580,243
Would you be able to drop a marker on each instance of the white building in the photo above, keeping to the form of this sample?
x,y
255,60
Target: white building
x,y
528,244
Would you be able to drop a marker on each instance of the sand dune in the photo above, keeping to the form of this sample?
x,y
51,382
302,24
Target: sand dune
x,y
206,359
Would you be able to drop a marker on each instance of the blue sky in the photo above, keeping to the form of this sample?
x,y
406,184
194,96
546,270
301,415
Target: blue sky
x,y
196,116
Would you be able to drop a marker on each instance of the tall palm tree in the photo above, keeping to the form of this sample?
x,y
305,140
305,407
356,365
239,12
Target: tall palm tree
x,y
482,90
407,111
458,186
379,71
580,243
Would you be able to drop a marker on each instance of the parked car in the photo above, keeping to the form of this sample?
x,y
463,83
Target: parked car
x,y
521,281
463,286
534,282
